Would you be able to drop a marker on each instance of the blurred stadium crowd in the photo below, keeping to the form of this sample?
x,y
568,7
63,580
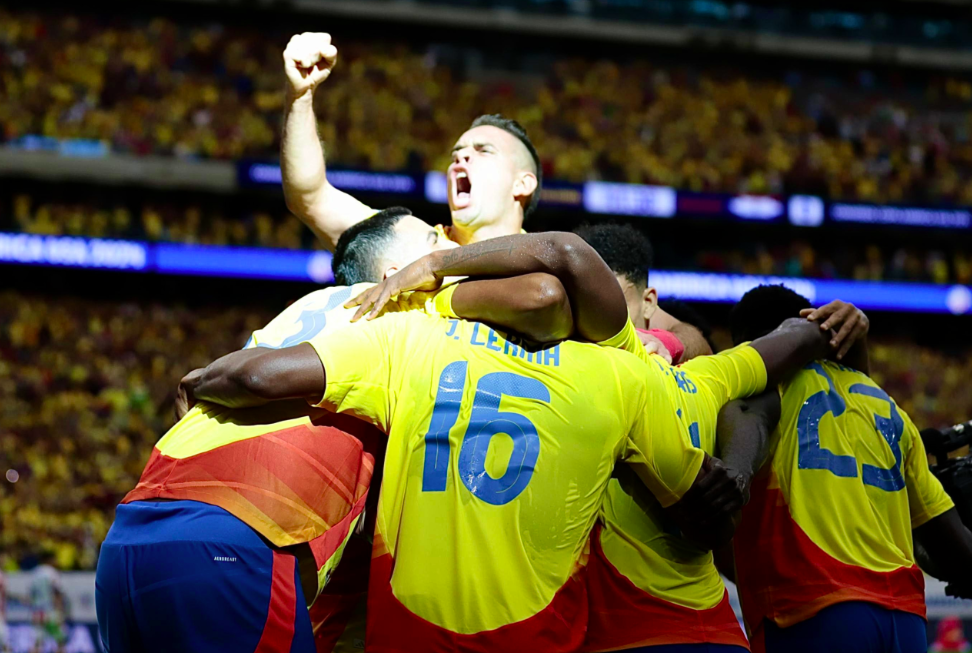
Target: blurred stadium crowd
x,y
209,91
86,388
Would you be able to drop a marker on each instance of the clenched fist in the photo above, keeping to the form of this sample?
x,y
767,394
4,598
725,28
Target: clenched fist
x,y
308,60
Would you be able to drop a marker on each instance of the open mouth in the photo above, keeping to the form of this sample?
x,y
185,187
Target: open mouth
x,y
463,189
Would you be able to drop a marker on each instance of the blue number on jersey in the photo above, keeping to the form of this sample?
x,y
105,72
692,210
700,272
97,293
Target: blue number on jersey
x,y
813,456
312,321
452,381
891,430
485,422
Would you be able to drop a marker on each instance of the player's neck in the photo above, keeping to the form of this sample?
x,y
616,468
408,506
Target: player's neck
x,y
465,236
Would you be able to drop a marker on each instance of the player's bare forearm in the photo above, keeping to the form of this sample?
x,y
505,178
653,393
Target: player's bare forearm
x,y
328,211
253,377
707,513
947,543
743,431
533,305
596,301
791,346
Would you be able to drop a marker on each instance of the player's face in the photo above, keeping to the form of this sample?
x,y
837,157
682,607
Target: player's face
x,y
486,166
413,240
641,302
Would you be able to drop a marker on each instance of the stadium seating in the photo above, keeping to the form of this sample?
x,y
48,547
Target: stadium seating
x,y
195,90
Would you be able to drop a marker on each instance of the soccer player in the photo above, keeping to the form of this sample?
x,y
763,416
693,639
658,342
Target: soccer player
x,y
238,503
494,180
824,556
650,587
470,604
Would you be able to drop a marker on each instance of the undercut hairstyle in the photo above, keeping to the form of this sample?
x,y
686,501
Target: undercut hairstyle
x,y
763,309
361,249
511,126
626,250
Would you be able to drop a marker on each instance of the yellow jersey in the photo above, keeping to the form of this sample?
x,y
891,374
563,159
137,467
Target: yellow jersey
x,y
831,514
648,586
498,457
293,473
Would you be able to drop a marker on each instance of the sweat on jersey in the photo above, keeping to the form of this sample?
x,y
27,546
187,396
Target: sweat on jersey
x,y
831,514
498,457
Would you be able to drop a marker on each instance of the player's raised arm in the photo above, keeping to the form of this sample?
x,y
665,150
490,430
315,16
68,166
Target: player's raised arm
x,y
595,299
308,61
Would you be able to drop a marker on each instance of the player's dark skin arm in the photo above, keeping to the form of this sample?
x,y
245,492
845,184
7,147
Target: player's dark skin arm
x,y
742,437
707,511
253,377
534,305
596,301
850,340
943,547
791,346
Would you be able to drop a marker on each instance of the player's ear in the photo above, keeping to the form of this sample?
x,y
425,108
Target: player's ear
x,y
524,186
649,302
390,270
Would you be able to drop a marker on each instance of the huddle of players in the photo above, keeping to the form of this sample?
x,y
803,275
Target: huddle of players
x,y
503,520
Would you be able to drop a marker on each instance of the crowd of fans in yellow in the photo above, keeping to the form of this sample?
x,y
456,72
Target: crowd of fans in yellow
x,y
195,90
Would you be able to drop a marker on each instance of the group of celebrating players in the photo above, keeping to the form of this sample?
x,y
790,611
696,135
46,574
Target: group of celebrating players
x,y
488,440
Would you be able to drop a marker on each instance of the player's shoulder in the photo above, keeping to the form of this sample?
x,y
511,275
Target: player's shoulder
x,y
335,295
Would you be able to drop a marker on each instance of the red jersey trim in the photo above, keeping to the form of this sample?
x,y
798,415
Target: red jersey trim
x,y
624,616
558,628
290,485
788,578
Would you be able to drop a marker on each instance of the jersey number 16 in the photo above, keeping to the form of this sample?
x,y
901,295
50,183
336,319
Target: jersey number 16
x,y
485,421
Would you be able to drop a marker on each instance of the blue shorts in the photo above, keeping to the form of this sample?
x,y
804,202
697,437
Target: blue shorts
x,y
187,576
852,627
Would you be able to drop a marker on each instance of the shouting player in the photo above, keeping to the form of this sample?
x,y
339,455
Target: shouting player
x,y
824,555
494,180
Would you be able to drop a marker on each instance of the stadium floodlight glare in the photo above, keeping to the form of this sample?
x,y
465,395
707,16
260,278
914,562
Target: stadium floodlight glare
x,y
630,199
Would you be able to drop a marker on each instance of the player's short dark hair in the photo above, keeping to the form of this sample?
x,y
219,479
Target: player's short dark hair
x,y
511,126
685,313
626,250
763,309
357,257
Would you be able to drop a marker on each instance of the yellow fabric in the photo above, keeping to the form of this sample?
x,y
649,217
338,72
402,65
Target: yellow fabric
x,y
206,427
853,521
442,301
637,538
440,387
